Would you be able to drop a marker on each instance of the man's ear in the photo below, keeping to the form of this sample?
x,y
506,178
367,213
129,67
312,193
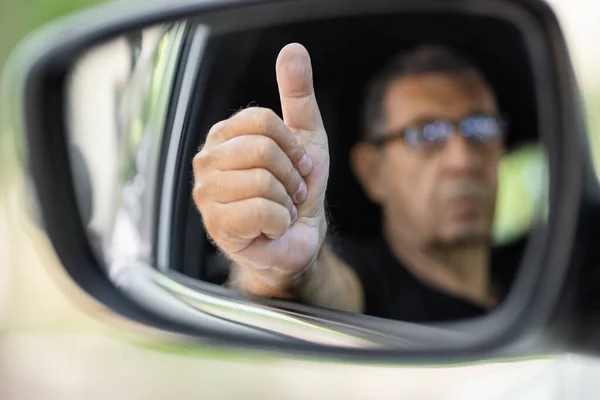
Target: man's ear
x,y
365,162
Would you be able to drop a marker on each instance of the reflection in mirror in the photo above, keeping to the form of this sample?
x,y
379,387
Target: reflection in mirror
x,y
119,94
403,182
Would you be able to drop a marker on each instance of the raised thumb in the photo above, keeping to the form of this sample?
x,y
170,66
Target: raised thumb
x,y
296,92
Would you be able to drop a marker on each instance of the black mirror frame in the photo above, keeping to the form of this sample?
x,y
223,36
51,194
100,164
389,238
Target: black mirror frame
x,y
43,64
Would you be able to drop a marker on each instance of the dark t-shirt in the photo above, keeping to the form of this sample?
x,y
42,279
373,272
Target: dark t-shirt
x,y
392,291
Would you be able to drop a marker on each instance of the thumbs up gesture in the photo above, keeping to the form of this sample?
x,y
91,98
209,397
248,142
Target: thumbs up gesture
x,y
260,183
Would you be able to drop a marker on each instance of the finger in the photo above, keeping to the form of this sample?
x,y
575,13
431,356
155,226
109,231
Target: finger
x,y
232,186
250,152
295,82
248,219
263,122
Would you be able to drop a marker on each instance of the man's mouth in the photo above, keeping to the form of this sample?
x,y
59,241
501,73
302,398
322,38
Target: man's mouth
x,y
465,205
465,199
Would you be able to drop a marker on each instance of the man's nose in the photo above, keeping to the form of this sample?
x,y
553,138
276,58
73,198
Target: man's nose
x,y
460,156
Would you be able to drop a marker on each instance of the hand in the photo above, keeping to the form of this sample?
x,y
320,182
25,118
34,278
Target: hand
x,y
260,182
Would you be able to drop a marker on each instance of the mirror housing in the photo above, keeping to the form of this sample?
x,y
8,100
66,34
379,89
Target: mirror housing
x,y
546,298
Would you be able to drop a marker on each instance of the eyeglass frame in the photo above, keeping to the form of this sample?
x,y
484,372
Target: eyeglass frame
x,y
402,132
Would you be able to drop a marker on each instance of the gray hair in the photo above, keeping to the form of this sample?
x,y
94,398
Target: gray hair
x,y
421,60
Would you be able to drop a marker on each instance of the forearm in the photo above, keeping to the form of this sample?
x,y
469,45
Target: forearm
x,y
331,283
326,282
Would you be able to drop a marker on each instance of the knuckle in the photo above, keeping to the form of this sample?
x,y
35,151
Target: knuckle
x,y
245,112
248,113
270,119
216,131
266,148
206,187
260,210
201,187
264,181
201,160
197,195
264,120
199,190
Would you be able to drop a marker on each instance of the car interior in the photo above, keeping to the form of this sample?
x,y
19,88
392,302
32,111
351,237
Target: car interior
x,y
238,70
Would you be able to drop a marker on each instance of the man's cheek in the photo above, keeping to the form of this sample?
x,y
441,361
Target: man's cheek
x,y
429,205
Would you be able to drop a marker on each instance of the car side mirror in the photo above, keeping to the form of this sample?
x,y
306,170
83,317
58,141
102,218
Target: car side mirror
x,y
114,103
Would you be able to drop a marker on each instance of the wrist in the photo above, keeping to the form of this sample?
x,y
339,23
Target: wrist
x,y
307,279
310,280
256,284
268,283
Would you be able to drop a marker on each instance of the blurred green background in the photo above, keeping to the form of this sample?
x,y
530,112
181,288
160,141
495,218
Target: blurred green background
x,y
19,17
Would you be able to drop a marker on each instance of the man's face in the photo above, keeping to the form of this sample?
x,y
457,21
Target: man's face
x,y
442,195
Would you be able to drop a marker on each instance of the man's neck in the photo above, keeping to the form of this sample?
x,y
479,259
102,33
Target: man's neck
x,y
461,270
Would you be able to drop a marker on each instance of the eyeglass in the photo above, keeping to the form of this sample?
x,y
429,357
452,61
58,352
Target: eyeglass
x,y
477,129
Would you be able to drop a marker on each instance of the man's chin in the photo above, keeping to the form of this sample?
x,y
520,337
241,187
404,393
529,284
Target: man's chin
x,y
465,235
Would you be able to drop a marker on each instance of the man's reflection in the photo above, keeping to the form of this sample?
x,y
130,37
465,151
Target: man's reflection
x,y
432,141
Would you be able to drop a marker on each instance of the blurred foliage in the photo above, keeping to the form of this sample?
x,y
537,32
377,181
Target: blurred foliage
x,y
522,192
17,20
592,109
20,17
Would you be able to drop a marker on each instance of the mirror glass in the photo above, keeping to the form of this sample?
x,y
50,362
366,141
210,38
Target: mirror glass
x,y
426,160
